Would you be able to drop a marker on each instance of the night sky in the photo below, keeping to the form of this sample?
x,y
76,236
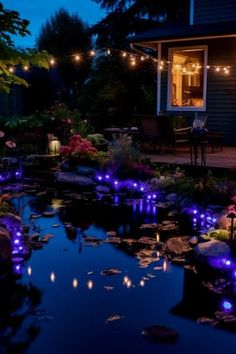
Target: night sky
x,y
38,11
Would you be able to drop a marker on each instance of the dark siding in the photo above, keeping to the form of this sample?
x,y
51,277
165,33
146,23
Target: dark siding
x,y
210,11
221,88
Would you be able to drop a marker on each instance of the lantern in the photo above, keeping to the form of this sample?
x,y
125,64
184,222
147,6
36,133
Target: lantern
x,y
54,146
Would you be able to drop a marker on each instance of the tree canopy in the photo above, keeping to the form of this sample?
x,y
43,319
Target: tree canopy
x,y
65,35
12,24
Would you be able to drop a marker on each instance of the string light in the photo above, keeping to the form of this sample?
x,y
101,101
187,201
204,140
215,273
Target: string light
x,y
77,57
187,69
52,61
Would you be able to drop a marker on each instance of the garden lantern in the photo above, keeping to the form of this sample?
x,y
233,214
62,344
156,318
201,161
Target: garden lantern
x,y
54,146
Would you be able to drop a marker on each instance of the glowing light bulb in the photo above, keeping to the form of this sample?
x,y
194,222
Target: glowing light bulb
x,y
227,305
129,284
26,67
77,57
52,61
142,58
133,62
11,69
92,53
108,51
124,55
164,266
217,69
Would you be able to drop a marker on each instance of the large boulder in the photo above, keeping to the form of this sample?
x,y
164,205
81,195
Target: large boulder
x,y
74,178
213,253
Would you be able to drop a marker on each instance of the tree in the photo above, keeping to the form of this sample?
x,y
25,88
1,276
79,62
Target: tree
x,y
65,35
132,16
12,24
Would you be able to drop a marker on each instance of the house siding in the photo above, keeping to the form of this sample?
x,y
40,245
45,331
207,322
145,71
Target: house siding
x,y
212,11
221,88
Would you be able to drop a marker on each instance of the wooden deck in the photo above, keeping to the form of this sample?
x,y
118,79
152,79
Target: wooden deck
x,y
220,159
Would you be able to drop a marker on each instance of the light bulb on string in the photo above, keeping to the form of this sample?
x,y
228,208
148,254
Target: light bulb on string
x,y
92,53
77,57
25,67
11,69
52,61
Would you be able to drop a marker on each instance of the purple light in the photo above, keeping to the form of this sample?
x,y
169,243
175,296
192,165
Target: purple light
x,y
195,211
141,189
234,273
99,178
135,185
107,176
149,196
227,305
20,248
16,242
116,183
214,219
202,216
154,196
227,262
194,220
17,173
18,233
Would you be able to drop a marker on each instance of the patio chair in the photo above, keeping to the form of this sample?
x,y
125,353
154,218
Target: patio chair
x,y
171,137
150,136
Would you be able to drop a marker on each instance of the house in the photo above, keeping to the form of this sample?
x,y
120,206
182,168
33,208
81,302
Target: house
x,y
197,64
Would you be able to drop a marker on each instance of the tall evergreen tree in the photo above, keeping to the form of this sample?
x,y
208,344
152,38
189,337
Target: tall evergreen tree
x,y
64,35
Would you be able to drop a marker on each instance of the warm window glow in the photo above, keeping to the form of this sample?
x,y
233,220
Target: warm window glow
x,y
187,78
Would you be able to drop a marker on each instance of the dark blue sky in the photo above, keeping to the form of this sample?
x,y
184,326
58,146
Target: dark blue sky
x,y
38,11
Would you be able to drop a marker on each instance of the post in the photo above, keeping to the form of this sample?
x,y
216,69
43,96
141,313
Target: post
x,y
158,78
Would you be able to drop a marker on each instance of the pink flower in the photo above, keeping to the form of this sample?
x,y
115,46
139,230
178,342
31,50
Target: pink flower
x,y
65,150
10,144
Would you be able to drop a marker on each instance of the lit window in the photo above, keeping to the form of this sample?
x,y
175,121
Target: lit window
x,y
187,79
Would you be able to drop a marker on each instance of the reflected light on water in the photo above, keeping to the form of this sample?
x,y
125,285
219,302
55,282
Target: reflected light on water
x,y
129,284
157,238
29,271
125,280
165,265
52,277
142,283
75,283
90,284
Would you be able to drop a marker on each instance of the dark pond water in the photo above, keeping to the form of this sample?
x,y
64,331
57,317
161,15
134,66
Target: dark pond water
x,y
62,304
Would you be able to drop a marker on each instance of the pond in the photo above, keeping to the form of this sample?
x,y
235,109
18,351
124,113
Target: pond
x,y
63,302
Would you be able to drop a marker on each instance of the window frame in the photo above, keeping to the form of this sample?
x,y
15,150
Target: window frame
x,y
169,81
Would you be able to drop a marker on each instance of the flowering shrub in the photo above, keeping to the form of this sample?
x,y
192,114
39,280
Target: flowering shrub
x,y
78,147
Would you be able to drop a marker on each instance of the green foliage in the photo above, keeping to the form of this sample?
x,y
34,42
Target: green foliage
x,y
12,24
219,234
97,139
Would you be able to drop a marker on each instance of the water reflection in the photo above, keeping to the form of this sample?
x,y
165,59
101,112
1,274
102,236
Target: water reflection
x,y
18,328
52,277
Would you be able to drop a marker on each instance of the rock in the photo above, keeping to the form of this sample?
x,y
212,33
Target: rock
x,y
74,178
103,189
224,222
178,246
159,333
172,197
212,252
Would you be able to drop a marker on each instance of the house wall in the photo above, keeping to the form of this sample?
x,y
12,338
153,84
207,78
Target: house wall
x,y
210,11
221,88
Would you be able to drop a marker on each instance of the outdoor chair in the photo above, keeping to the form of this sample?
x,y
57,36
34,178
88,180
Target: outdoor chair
x,y
150,136
171,137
